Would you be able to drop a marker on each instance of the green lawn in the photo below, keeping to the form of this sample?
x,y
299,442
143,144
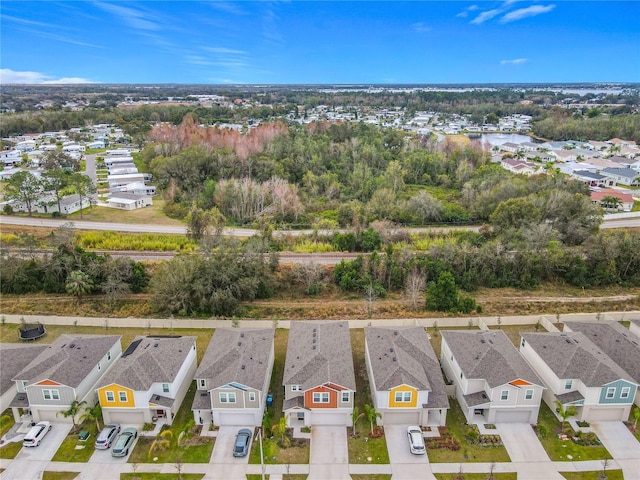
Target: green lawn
x,y
59,475
73,450
6,422
457,426
594,475
363,447
10,450
476,476
297,453
196,450
289,476
379,476
559,449
152,215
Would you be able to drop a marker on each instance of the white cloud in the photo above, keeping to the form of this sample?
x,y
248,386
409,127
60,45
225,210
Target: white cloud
x,y
531,11
136,19
8,76
488,15
515,61
421,27
223,50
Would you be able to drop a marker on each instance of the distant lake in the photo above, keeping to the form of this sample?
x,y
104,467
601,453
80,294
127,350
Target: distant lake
x,y
493,139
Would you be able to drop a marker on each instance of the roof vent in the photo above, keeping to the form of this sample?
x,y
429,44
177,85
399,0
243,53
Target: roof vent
x,y
239,343
483,341
315,330
313,348
242,335
204,394
73,345
63,345
567,340
314,340
391,350
395,332
156,344
242,367
394,359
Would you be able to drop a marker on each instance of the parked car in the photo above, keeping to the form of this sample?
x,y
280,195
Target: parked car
x,y
243,439
124,442
36,434
106,436
416,442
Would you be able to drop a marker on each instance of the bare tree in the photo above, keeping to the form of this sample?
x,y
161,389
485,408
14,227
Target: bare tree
x,y
370,296
311,275
414,286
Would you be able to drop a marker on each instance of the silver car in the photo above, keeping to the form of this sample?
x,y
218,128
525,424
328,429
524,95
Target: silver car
x,y
107,435
416,442
125,441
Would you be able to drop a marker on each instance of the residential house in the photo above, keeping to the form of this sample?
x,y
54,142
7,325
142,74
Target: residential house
x,y
26,145
511,147
13,358
319,379
129,201
626,199
149,381
10,157
233,378
518,166
68,205
625,176
493,382
124,179
592,179
617,142
137,188
66,371
578,373
405,377
615,341
97,144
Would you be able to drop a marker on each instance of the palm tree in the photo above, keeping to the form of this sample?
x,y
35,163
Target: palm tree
x,y
355,416
78,283
565,412
610,202
280,428
92,414
74,408
372,414
162,442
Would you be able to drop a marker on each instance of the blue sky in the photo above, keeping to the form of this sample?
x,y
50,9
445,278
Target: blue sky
x,y
319,42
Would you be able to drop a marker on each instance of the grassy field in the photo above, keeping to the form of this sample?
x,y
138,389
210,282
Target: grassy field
x,y
59,475
514,331
161,476
558,450
152,215
10,450
379,476
593,475
68,451
476,476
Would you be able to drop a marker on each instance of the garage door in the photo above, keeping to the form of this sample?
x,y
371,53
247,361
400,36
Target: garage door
x,y
605,414
328,419
236,419
510,416
401,418
50,415
134,418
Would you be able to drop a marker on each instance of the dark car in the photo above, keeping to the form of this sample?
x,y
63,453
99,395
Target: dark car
x,y
124,442
243,439
107,435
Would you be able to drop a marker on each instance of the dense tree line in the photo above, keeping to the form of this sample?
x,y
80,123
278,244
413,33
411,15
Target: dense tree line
x,y
567,127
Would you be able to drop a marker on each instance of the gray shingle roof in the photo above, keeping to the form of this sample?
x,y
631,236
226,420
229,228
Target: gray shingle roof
x,y
154,360
571,355
622,346
489,355
13,358
404,356
317,353
623,172
477,398
569,397
237,355
69,359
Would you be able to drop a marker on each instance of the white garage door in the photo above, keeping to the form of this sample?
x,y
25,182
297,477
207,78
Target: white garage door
x,y
401,418
51,416
134,418
510,416
606,414
328,419
236,419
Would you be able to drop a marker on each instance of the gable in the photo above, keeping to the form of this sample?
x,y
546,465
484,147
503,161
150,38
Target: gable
x,y
48,383
520,383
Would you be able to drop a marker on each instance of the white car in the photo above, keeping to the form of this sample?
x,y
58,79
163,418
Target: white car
x,y
416,442
36,434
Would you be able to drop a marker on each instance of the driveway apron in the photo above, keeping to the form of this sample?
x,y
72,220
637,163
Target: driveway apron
x,y
622,446
329,453
404,464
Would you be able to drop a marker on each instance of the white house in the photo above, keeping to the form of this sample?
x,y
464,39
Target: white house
x,y
129,201
10,157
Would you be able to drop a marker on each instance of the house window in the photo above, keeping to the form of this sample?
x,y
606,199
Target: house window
x,y
528,394
50,394
504,395
403,397
252,396
568,384
345,397
203,383
110,396
122,396
624,393
320,397
24,383
227,397
296,388
165,388
611,392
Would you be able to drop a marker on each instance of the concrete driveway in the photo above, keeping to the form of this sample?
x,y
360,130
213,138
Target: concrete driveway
x,y
404,464
223,448
525,449
622,446
329,453
32,461
104,456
